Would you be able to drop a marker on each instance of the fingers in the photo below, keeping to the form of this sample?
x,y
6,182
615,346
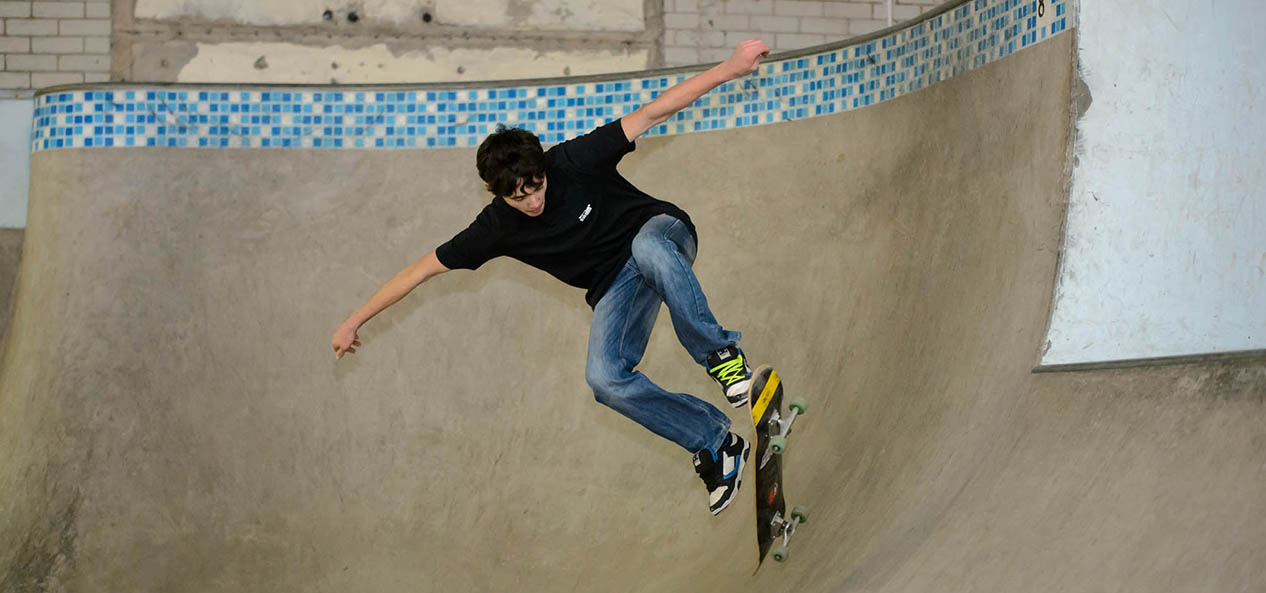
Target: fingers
x,y
750,53
338,354
756,44
339,351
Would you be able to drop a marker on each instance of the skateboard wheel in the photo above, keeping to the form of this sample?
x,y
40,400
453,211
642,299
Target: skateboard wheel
x,y
779,553
799,404
778,445
801,513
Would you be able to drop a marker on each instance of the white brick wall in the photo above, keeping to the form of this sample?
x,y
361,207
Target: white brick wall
x,y
698,31
53,42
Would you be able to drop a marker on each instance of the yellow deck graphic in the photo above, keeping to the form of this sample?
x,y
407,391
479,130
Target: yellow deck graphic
x,y
766,394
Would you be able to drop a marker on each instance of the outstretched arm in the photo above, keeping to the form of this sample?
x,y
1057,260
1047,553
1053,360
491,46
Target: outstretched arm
x,y
345,339
744,61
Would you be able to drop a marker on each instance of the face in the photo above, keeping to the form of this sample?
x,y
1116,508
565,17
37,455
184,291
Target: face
x,y
528,201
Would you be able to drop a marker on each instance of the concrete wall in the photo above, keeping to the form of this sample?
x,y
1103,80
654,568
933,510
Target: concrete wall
x,y
1166,244
303,41
46,43
550,15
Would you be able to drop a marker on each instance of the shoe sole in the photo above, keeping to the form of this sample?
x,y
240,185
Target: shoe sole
x,y
738,480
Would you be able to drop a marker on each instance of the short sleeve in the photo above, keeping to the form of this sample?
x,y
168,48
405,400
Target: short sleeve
x,y
472,247
599,150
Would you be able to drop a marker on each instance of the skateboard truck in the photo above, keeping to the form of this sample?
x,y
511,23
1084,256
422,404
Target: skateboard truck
x,y
781,527
779,428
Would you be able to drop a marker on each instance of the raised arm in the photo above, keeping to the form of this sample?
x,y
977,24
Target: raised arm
x,y
744,61
345,339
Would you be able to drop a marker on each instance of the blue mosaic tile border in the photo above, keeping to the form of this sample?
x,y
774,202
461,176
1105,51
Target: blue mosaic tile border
x,y
948,43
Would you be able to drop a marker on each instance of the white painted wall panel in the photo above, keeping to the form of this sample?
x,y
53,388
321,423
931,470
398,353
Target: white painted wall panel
x,y
570,15
296,64
15,161
1166,245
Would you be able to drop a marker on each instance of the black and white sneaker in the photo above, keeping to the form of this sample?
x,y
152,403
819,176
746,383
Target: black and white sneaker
x,y
722,472
729,368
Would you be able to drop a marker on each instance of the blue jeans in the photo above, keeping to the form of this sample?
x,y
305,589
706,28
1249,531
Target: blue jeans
x,y
658,272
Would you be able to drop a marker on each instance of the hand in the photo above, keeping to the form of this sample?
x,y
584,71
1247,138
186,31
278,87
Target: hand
x,y
746,58
345,340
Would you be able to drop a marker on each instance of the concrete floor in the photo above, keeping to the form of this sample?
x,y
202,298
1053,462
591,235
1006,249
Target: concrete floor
x,y
172,418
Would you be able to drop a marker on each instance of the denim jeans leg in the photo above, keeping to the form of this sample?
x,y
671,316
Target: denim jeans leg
x,y
618,335
664,252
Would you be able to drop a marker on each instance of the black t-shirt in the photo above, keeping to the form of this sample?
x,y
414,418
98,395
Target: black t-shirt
x,y
585,234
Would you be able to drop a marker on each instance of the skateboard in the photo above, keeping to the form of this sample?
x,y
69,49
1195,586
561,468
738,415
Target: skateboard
x,y
774,527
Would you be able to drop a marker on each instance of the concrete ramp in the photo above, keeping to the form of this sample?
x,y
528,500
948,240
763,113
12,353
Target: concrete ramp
x,y
10,257
172,417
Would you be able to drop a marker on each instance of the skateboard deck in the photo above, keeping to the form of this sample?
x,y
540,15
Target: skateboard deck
x,y
774,527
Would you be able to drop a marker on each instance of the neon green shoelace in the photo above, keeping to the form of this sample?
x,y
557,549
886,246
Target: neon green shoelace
x,y
729,372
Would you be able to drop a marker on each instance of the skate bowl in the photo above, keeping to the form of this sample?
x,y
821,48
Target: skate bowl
x,y
10,256
172,417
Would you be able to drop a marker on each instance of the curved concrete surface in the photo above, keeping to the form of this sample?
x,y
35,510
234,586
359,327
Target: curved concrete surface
x,y
10,257
171,418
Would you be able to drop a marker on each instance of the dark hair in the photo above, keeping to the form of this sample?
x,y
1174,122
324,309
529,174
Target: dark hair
x,y
509,156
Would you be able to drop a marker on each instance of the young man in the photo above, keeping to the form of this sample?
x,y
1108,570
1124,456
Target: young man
x,y
567,211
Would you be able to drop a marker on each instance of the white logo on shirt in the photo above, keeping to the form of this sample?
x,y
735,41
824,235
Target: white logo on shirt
x,y
585,214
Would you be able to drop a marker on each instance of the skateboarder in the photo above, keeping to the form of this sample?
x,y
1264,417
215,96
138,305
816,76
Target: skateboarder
x,y
567,211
